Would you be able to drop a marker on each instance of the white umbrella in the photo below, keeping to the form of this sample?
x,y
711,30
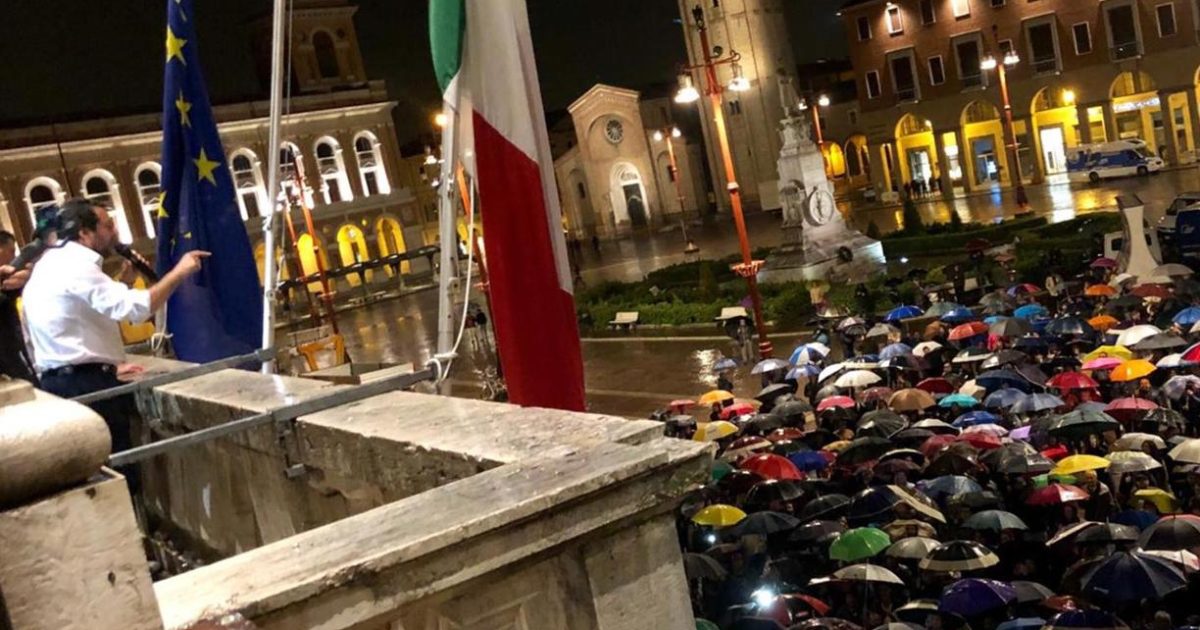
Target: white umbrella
x,y
1153,279
925,347
857,378
1170,361
971,388
1188,452
1134,442
1172,270
1176,385
1186,559
1134,334
1195,328
1121,278
830,371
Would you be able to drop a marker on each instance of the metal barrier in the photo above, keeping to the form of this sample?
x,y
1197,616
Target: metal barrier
x,y
174,377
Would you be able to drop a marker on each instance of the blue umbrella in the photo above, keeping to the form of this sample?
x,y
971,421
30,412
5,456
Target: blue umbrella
x,y
998,379
1134,518
962,400
895,350
1033,403
973,418
807,353
973,596
1031,311
992,319
959,315
808,370
1127,576
725,364
1003,398
1187,316
1022,623
808,460
948,486
903,312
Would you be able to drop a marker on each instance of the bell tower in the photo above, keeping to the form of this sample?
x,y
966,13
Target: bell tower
x,y
757,31
325,56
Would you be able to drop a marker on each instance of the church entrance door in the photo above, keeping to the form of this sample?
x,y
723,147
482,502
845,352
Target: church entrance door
x,y
635,205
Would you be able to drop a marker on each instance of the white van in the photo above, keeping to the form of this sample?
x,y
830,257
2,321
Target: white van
x,y
1122,158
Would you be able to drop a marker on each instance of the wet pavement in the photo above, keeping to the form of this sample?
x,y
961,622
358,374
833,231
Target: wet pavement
x,y
634,376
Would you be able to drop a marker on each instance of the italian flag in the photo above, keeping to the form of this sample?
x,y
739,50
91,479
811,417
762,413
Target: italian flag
x,y
483,57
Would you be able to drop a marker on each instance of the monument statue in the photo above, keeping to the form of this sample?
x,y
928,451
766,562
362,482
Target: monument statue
x,y
817,242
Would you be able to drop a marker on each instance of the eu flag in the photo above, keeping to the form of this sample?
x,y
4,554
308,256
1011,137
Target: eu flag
x,y
217,313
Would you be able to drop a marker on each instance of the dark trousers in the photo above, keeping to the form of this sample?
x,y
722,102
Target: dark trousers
x,y
118,412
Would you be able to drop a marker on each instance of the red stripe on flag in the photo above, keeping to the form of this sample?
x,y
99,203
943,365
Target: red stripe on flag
x,y
534,318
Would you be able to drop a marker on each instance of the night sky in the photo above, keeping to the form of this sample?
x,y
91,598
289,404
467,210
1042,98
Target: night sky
x,y
75,59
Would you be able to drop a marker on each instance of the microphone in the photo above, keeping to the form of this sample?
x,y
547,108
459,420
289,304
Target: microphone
x,y
139,262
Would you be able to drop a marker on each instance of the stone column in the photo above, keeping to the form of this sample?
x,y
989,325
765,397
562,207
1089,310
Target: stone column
x,y
966,162
1194,118
880,168
1035,151
1085,124
1110,121
350,162
1171,155
18,211
939,141
312,174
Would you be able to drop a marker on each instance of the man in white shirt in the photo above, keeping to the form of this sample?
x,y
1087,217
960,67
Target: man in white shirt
x,y
73,310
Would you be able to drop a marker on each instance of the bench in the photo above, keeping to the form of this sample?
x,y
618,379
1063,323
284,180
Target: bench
x,y
627,320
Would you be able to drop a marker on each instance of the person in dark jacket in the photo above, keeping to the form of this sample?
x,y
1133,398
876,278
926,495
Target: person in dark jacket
x,y
14,355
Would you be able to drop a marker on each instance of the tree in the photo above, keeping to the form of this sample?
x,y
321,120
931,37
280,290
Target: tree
x,y
912,218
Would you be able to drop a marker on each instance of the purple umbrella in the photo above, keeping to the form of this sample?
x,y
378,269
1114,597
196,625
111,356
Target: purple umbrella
x,y
1021,433
974,596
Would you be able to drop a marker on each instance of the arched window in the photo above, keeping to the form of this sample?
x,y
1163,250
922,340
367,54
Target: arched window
x,y
335,186
247,182
370,165
101,187
41,192
149,185
327,61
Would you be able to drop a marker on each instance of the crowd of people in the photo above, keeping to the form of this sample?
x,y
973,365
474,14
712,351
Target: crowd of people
x,y
1030,461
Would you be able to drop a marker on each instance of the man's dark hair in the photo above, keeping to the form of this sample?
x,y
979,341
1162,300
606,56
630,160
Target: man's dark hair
x,y
75,215
7,238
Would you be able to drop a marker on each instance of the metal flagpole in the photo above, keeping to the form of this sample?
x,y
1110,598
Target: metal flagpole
x,y
448,240
269,223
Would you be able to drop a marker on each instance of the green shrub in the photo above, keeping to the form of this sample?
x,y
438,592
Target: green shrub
x,y
912,219
790,306
708,283
956,222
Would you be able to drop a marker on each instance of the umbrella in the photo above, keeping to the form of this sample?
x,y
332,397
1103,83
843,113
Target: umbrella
x,y
1170,361
1004,357
1103,322
994,520
1161,341
844,402
769,365
1056,494
1022,623
774,491
736,409
961,400
864,449
764,524
851,322
1072,380
817,532
937,309
713,431
1024,464
997,379
1103,263
1102,363
1172,270
808,461
1099,290
1109,352
1106,534
866,573
1080,463
1033,403
1140,519
926,347
909,528
1128,409
961,314
1010,327
968,330
894,350
1031,311
745,446
792,411
1172,533
1003,398
1135,441
769,393
859,544
903,312
1151,292
826,623
959,555
1130,336
936,385
948,485
971,355
828,506
772,466
972,597
1125,577
1090,619
979,439
856,378
911,548
715,396
1030,592
1187,560
974,418
911,399
719,515
875,394
1163,501
812,352
885,420
1188,316
725,364
830,371
805,370
1023,288
1068,326
1080,423
882,330
936,426
1131,370
699,566
870,505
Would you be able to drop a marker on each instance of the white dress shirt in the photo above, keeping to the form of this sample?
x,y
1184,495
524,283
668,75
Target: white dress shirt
x,y
72,309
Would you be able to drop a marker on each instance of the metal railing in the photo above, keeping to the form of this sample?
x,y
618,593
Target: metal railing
x,y
174,377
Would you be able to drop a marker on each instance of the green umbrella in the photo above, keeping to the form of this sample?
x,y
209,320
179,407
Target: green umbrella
x,y
720,469
859,544
704,624
1041,481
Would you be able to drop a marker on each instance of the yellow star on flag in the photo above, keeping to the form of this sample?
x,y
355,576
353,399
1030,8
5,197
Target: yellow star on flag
x,y
162,205
184,107
175,46
205,167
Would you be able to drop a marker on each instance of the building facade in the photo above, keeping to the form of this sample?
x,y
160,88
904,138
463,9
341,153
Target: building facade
x,y
1088,72
613,167
340,149
755,30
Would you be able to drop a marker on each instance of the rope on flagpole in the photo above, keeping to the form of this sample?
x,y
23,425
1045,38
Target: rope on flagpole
x,y
462,324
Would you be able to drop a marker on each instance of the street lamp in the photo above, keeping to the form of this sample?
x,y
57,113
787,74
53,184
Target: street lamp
x,y
668,134
1011,59
748,268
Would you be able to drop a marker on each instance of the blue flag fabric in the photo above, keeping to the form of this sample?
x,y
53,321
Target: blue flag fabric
x,y
216,313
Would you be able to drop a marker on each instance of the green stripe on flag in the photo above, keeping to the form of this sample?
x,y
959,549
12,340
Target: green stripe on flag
x,y
447,22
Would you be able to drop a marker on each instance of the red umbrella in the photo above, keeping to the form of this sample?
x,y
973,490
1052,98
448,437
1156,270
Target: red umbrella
x,y
844,402
772,467
1024,287
681,405
736,409
1072,380
936,385
1191,354
981,440
1057,493
1151,291
1103,263
968,330
875,394
933,445
786,433
1055,452
1129,409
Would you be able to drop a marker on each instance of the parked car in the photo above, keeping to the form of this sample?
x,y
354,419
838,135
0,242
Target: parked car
x,y
1167,226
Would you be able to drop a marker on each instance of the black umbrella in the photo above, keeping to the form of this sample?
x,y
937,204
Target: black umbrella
x,y
1107,534
998,379
907,454
1004,357
826,507
864,449
1033,374
1161,341
1164,418
817,532
764,524
1067,326
1172,533
959,555
1126,577
1124,301
792,412
1030,592
771,392
698,566
956,459
975,500
774,491
881,423
761,424
912,436
1025,464
870,504
1077,424
1031,343
1010,327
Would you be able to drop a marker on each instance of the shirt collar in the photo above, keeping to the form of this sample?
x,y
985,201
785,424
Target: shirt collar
x,y
82,252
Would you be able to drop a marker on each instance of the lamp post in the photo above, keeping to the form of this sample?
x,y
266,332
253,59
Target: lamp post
x,y
748,268
668,135
822,101
1011,59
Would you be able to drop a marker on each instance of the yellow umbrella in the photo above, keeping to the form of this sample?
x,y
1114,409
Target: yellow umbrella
x,y
1163,500
1080,463
1131,370
713,431
1103,352
719,515
1099,290
1103,322
715,396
